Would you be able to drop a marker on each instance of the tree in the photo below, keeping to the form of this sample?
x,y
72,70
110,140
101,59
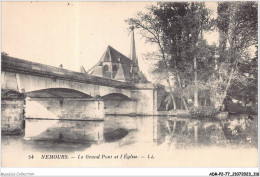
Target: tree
x,y
198,22
150,29
237,25
207,72
182,26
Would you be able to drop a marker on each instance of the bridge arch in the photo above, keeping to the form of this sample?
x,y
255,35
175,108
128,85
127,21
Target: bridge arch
x,y
115,96
24,83
57,93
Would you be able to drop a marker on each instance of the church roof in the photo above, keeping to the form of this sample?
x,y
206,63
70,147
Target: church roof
x,y
112,55
115,65
115,58
123,73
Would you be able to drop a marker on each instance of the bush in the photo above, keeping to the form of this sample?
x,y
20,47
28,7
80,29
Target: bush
x,y
202,112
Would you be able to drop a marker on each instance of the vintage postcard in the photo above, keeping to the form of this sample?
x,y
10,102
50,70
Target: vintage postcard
x,y
129,84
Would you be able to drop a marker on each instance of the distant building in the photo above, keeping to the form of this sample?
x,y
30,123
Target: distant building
x,y
115,65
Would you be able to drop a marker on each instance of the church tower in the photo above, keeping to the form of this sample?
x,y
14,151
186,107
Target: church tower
x,y
133,57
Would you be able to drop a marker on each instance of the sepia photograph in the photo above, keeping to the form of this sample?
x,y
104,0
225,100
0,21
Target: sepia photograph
x,y
129,84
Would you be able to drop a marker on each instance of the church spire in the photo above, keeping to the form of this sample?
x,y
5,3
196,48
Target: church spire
x,y
133,50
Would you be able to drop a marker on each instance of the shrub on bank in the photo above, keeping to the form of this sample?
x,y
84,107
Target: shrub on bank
x,y
202,112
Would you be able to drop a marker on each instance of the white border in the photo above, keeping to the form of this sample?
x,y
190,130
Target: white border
x,y
126,171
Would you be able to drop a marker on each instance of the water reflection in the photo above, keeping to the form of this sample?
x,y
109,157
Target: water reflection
x,y
191,133
64,131
237,131
241,130
63,135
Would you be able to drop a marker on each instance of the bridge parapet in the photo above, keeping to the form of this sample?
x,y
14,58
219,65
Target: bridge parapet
x,y
16,65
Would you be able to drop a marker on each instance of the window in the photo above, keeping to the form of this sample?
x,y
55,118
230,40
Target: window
x,y
114,68
106,72
106,68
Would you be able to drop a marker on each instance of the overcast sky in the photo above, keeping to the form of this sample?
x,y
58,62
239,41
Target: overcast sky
x,y
72,34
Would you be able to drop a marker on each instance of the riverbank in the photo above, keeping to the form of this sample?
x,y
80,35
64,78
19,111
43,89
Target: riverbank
x,y
186,114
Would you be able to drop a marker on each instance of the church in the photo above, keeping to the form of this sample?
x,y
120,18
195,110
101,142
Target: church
x,y
115,65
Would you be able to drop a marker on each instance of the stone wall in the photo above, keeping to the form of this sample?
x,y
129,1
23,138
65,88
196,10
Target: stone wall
x,y
144,101
64,108
121,107
12,119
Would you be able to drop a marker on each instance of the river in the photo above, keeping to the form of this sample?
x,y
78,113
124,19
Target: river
x,y
134,134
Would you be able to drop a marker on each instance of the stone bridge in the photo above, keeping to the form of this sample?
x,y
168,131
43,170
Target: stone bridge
x,y
25,77
56,93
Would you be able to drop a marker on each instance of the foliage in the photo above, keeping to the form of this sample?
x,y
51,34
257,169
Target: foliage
x,y
202,112
237,24
194,69
182,25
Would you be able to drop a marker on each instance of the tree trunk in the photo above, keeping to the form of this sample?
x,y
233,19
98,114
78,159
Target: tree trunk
x,y
205,102
196,95
168,76
227,87
182,99
172,96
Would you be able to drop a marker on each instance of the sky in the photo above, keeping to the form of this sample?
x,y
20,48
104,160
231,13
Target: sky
x,y
71,34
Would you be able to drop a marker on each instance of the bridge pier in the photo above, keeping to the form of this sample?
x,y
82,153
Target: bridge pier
x,y
12,110
146,99
64,108
120,107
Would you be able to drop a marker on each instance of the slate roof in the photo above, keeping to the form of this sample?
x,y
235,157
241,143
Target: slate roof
x,y
123,73
113,55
